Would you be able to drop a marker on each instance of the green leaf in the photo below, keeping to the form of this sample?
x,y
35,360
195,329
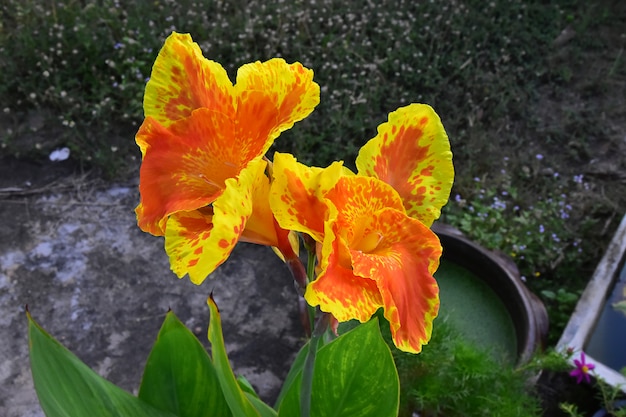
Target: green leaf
x,y
355,376
66,387
246,386
239,403
179,376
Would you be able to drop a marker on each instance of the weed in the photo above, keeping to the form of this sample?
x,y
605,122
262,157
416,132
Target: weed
x,y
542,235
88,62
453,377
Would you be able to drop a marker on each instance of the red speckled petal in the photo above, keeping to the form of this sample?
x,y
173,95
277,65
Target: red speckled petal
x,y
273,95
297,194
181,169
198,242
182,81
411,152
402,262
356,199
338,291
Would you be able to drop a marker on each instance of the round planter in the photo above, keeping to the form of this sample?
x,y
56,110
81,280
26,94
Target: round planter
x,y
499,273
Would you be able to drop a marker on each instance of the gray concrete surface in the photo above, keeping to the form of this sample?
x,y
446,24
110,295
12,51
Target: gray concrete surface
x,y
72,252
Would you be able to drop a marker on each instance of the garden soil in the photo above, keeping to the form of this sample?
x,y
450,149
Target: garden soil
x,y
71,251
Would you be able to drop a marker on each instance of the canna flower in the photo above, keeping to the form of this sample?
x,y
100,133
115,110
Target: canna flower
x,y
375,248
371,253
582,369
411,152
203,180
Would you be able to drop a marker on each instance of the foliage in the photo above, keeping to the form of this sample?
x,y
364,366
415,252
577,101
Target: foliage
x,y
611,398
542,235
453,377
87,61
180,379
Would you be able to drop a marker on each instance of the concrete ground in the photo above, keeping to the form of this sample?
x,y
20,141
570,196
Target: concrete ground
x,y
70,250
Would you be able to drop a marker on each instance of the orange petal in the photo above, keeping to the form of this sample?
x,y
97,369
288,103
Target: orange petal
x,y
297,194
185,166
411,152
182,80
339,292
261,227
199,241
402,263
356,198
273,95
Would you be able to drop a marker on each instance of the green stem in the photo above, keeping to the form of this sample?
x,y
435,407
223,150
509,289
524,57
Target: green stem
x,y
309,364
310,273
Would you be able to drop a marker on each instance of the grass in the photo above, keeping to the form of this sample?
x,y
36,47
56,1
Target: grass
x,y
533,119
454,377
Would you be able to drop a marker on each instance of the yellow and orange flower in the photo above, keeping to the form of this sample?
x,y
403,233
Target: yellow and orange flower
x,y
202,180
375,248
371,254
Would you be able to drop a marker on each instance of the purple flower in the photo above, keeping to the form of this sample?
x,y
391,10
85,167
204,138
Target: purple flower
x,y
582,369
498,204
539,156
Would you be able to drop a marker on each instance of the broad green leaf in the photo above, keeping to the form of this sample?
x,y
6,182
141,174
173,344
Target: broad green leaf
x,y
238,402
66,387
179,376
355,376
263,409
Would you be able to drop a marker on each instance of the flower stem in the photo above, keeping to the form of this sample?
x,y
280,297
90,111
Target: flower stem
x,y
309,364
300,279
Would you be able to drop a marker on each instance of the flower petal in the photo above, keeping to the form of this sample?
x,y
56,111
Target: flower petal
x,y
185,166
289,90
402,264
182,80
260,227
199,241
411,152
297,194
339,292
356,199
